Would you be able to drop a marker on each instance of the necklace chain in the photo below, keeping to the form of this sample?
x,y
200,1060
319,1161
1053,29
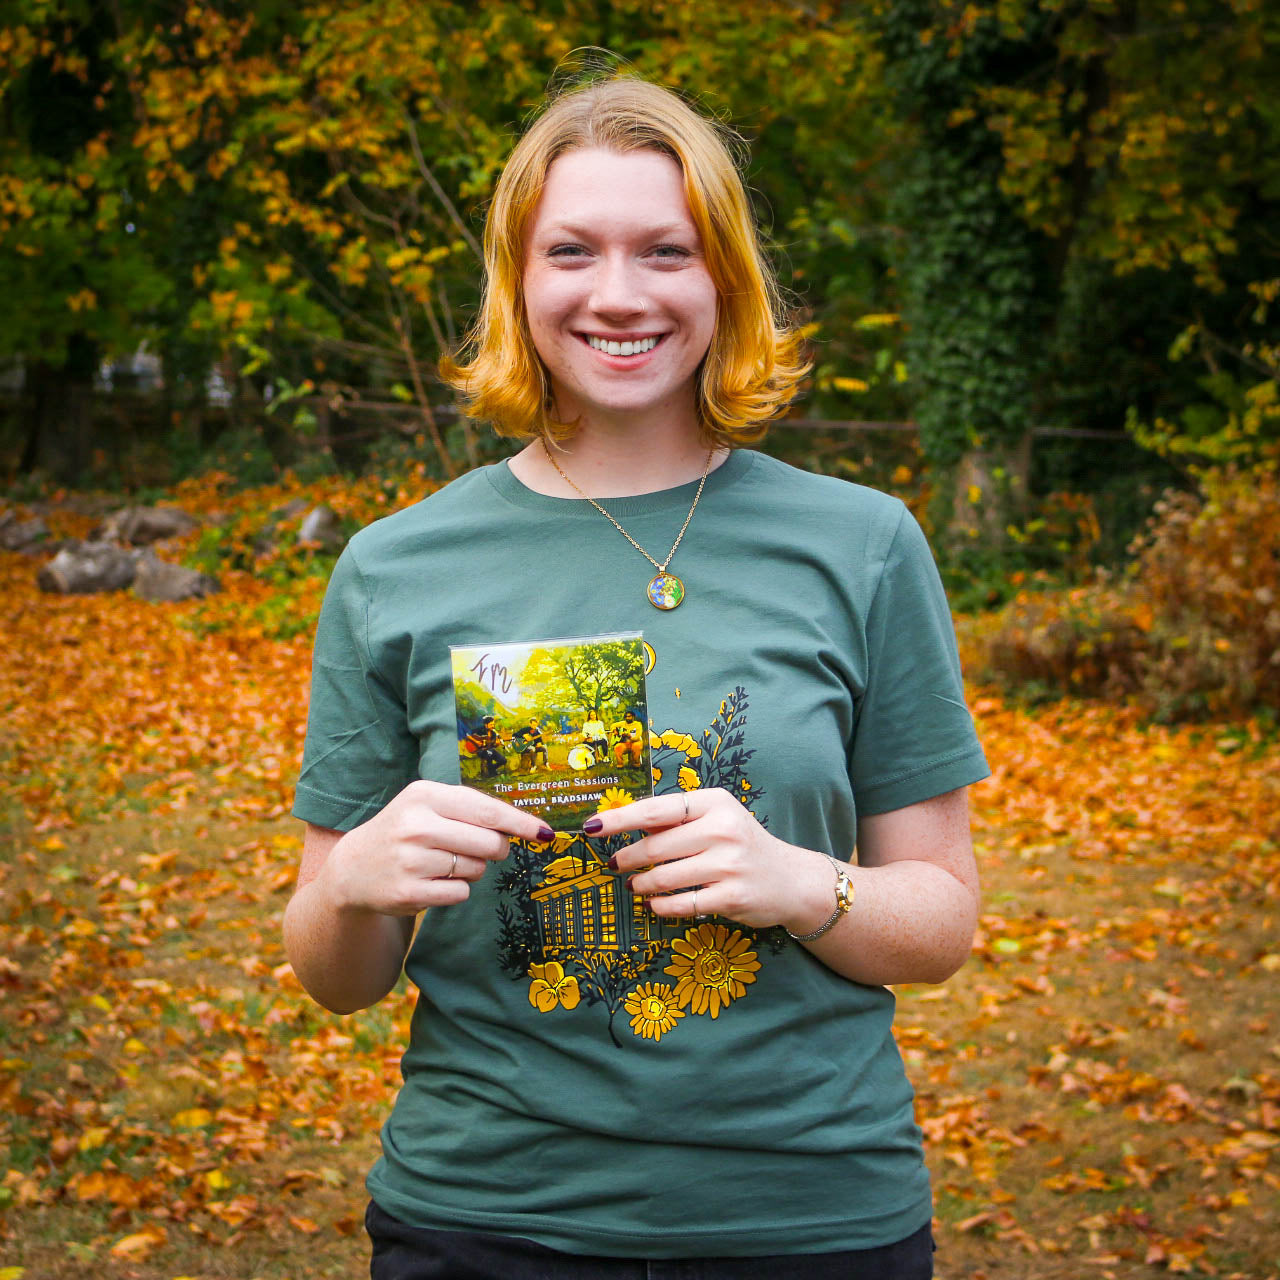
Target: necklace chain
x,y
661,568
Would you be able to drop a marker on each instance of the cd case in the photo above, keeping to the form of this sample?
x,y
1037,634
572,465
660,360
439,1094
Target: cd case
x,y
559,727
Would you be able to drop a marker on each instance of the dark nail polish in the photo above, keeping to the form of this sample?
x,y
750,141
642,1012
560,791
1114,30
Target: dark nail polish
x,y
592,825
545,834
613,863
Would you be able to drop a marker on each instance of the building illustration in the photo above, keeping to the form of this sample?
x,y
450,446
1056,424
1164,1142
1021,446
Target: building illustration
x,y
584,906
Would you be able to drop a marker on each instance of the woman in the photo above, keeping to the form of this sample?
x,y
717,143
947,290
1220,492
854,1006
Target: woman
x,y
720,1085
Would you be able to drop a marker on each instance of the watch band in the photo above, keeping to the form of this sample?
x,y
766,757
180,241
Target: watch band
x,y
844,900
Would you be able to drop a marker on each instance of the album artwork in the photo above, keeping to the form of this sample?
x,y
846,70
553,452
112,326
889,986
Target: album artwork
x,y
559,727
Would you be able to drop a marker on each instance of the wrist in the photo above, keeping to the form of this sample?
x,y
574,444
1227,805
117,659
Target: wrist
x,y
828,896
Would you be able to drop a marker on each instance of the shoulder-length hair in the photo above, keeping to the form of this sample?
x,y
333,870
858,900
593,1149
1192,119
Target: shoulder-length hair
x,y
755,361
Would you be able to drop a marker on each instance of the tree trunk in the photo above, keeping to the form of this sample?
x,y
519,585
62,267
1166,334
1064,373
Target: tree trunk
x,y
60,434
990,489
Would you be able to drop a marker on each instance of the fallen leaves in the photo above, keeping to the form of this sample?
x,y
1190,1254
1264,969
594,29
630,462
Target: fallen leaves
x,y
1099,1087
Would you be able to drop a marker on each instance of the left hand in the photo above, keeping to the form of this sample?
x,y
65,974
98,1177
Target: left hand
x,y
705,854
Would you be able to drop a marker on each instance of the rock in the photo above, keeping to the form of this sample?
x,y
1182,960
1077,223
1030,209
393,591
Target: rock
x,y
323,525
141,526
82,568
157,580
21,535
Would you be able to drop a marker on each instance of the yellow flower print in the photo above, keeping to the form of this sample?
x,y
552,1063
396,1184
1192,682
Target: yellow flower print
x,y
681,742
614,798
689,781
745,785
551,987
653,1010
712,968
657,773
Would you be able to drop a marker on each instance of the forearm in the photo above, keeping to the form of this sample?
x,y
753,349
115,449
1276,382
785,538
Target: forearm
x,y
911,921
347,959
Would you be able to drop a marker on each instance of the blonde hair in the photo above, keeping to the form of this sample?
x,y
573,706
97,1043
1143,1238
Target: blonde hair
x,y
755,360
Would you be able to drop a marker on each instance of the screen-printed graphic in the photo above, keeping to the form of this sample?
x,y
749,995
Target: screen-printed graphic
x,y
589,948
556,726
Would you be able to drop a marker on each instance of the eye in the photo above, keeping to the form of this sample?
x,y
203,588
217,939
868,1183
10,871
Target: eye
x,y
566,251
670,252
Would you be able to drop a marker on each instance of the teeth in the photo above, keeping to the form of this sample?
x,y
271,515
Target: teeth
x,y
622,348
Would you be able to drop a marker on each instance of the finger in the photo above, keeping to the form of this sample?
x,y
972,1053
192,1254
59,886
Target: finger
x,y
651,814
691,904
675,876
449,836
664,846
460,867
465,804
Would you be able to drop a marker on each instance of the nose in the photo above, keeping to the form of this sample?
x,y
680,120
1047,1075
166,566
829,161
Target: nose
x,y
616,287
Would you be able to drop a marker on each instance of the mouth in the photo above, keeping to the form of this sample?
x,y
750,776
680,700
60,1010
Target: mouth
x,y
622,346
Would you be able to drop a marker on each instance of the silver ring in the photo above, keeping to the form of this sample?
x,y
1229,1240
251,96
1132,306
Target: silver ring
x,y
686,811
695,902
453,867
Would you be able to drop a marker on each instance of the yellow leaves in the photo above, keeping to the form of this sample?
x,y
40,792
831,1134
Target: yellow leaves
x,y
83,300
850,384
193,1118
93,1139
12,1273
140,1245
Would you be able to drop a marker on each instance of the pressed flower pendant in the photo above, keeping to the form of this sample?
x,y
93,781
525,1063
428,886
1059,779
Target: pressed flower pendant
x,y
665,591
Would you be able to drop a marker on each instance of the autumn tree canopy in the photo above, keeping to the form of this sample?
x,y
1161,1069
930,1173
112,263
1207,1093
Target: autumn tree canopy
x,y
992,214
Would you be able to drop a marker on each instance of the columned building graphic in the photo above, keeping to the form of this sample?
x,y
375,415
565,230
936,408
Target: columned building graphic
x,y
585,906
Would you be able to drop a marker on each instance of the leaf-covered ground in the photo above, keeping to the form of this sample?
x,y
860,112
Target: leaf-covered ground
x,y
1100,1086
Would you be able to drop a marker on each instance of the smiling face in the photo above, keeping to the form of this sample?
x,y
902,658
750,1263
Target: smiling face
x,y
620,304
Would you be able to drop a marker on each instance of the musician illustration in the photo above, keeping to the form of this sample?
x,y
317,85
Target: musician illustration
x,y
487,746
528,738
628,736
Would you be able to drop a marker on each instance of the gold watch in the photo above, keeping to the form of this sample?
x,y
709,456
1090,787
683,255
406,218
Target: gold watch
x,y
844,900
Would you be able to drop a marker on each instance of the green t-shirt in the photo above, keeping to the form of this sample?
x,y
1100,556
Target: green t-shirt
x,y
695,1089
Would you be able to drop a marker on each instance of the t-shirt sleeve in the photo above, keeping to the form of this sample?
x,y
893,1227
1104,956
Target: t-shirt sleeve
x,y
359,751
914,737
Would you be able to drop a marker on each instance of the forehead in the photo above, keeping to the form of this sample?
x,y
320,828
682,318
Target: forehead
x,y
623,189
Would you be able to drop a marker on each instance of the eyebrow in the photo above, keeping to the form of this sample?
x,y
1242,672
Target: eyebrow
x,y
652,233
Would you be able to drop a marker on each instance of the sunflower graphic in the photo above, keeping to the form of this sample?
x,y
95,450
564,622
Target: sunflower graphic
x,y
712,968
653,1010
614,798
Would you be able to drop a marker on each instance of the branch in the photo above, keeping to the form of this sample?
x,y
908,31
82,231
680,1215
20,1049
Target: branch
x,y
438,190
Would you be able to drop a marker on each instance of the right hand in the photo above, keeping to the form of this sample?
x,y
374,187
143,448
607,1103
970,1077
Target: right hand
x,y
403,860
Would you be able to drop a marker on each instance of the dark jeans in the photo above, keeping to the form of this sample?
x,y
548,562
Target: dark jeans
x,y
402,1252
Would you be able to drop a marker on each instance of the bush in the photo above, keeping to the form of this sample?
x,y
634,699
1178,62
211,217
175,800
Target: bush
x,y
1193,626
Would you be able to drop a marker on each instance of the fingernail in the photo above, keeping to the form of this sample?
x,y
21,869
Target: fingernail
x,y
592,825
613,863
545,834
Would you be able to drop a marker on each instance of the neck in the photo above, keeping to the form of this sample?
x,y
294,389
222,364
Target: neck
x,y
614,465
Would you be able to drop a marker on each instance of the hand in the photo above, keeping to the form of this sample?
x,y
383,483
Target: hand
x,y
706,851
425,849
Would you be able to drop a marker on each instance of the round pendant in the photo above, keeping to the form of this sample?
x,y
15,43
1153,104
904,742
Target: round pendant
x,y
665,591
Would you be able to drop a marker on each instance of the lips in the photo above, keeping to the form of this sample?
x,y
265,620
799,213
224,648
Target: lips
x,y
622,346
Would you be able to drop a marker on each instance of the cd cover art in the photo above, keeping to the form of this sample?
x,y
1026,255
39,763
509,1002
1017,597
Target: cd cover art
x,y
559,727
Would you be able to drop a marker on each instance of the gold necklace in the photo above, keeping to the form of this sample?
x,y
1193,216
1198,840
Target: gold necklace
x,y
665,590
